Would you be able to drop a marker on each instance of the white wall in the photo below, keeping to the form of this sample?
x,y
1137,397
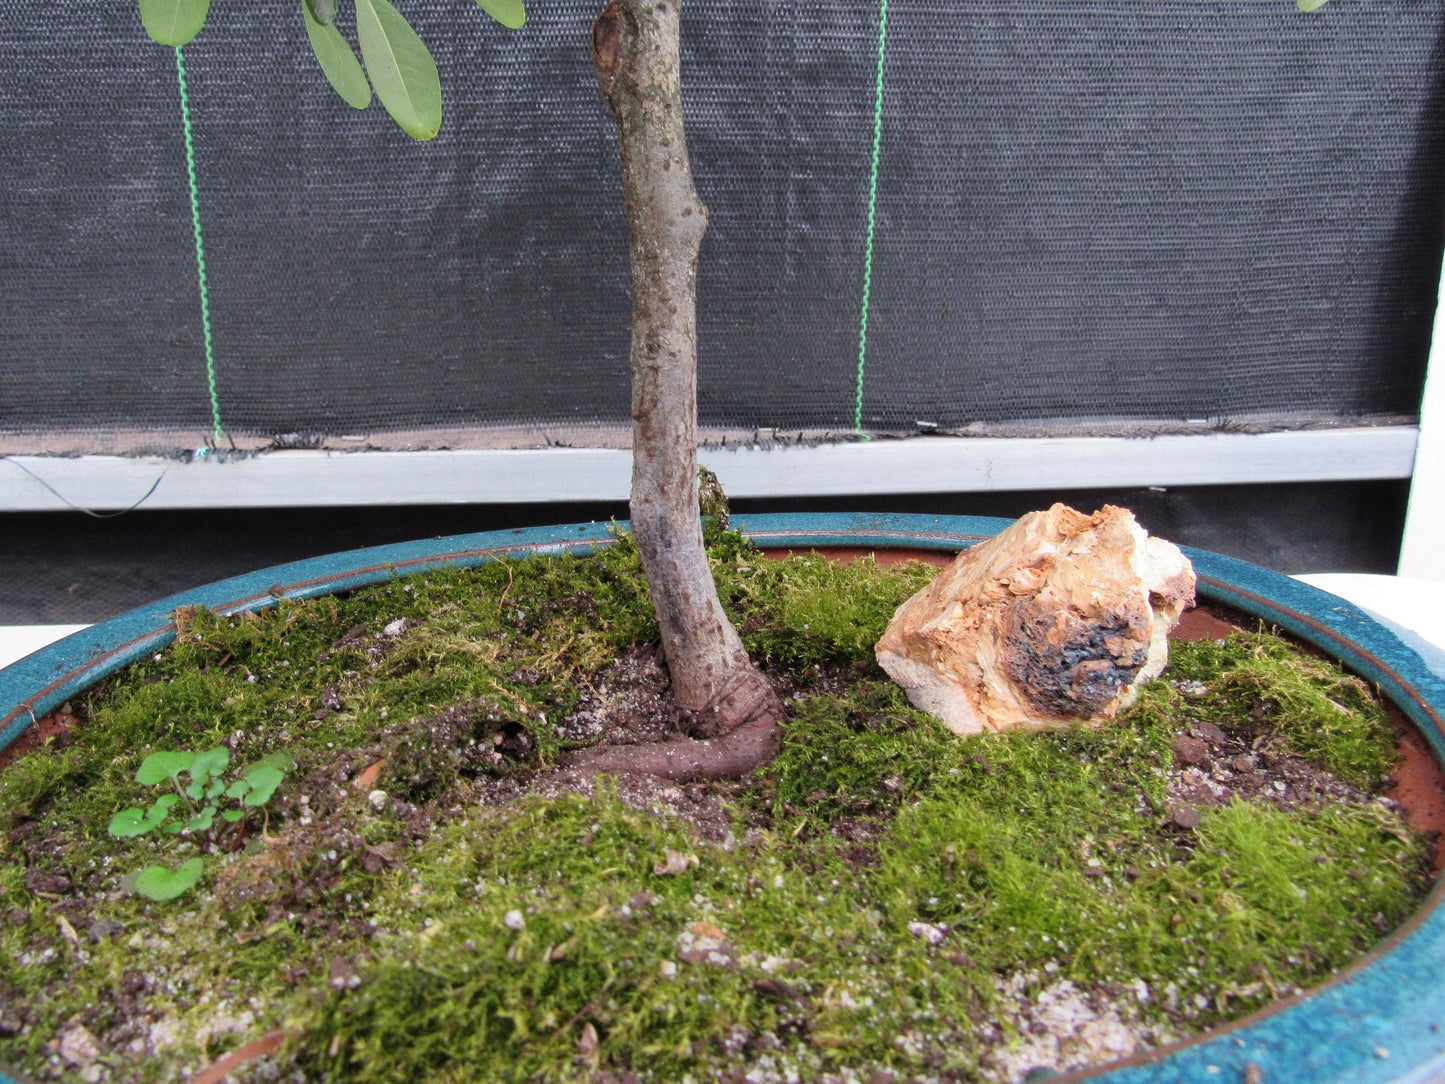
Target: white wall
x,y
1420,550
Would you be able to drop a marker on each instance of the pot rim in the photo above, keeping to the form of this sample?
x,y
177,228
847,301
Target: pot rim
x,y
1377,1021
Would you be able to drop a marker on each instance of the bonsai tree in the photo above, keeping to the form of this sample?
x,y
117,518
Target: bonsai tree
x,y
635,49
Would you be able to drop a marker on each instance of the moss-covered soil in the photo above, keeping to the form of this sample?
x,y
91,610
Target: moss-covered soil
x,y
424,901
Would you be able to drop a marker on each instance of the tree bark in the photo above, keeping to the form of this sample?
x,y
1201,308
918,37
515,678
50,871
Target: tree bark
x,y
635,50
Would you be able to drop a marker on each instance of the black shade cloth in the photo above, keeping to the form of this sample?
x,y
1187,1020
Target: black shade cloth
x,y
1085,209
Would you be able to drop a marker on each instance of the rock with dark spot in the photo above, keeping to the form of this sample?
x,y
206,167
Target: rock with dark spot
x,y
1058,619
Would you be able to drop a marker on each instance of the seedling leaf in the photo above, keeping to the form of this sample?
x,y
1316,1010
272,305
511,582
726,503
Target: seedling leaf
x,y
129,822
233,815
510,13
284,761
264,782
402,71
161,809
338,63
173,22
160,883
202,821
210,764
214,789
1311,5
159,767
238,788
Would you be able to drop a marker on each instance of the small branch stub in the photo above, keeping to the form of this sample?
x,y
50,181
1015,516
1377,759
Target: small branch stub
x,y
607,39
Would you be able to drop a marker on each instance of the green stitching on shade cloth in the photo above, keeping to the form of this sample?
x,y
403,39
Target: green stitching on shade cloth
x,y
200,248
872,209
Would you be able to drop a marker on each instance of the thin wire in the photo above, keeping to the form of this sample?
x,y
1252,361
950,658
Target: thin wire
x,y
92,514
872,212
200,248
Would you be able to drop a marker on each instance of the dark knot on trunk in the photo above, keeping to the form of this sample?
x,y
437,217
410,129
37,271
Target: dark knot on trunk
x,y
607,38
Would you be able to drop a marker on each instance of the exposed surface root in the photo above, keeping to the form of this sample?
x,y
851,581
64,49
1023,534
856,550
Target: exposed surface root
x,y
732,755
645,732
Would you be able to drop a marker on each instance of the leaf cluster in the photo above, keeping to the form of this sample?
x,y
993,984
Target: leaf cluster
x,y
395,62
206,787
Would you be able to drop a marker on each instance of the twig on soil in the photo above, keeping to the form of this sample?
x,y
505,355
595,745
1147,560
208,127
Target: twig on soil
x,y
501,601
219,1070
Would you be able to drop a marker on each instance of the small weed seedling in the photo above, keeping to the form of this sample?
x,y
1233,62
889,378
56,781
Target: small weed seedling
x,y
200,799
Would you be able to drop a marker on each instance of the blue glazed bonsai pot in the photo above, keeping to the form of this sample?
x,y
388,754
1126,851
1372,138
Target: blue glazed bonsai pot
x,y
1378,1021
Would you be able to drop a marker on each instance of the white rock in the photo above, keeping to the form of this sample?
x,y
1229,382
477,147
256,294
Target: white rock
x,y
77,1045
934,935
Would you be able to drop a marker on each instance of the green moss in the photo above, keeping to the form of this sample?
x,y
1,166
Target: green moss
x,y
809,610
1310,705
887,891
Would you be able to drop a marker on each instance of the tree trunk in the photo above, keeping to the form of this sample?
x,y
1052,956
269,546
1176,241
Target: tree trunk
x,y
635,50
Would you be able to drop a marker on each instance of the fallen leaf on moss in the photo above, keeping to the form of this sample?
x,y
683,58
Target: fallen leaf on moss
x,y
367,776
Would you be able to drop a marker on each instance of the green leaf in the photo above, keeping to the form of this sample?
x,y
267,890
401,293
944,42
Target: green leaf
x,y
173,22
1312,5
129,822
233,815
202,821
162,766
161,809
323,11
283,761
160,883
238,788
209,764
264,782
214,789
338,63
510,13
402,72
